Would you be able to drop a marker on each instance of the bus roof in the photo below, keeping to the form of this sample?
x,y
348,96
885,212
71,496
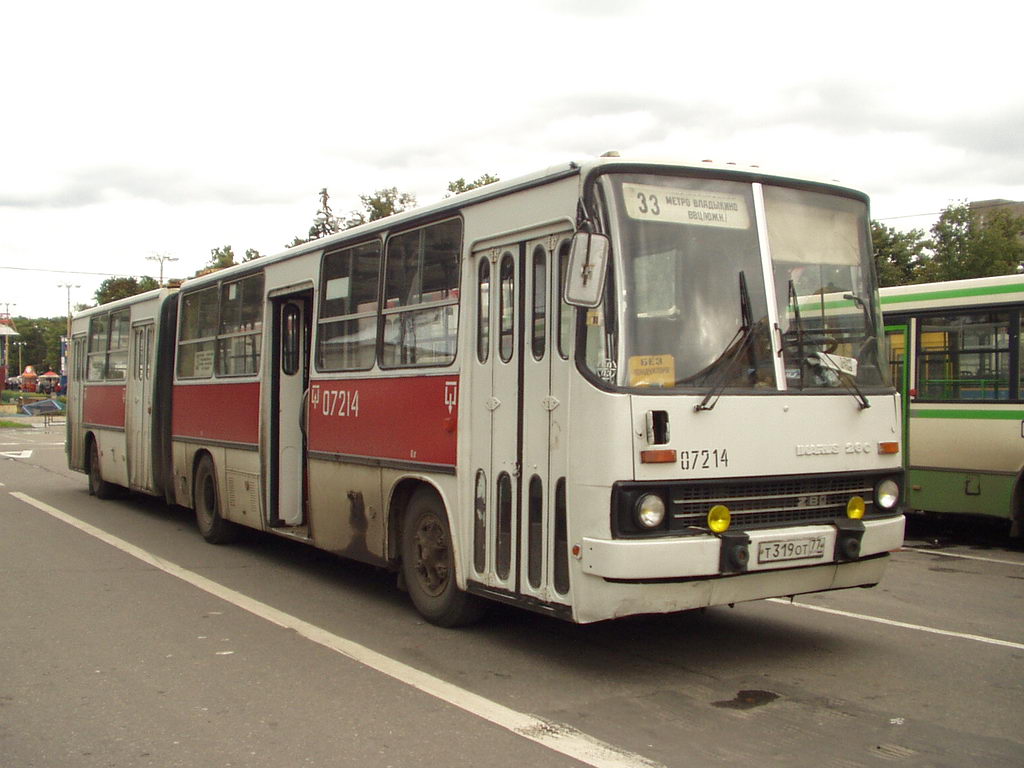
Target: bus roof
x,y
979,290
582,168
156,293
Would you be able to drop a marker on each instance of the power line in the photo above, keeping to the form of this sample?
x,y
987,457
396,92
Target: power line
x,y
972,206
69,272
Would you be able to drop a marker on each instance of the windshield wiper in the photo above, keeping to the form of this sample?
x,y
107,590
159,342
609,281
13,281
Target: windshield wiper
x,y
831,364
737,344
830,372
799,329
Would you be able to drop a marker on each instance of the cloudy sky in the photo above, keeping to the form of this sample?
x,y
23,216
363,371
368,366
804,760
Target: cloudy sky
x,y
136,129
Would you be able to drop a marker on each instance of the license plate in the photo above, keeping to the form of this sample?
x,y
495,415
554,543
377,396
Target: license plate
x,y
811,548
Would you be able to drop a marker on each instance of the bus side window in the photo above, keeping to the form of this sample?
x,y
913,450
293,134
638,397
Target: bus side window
x,y
347,329
98,325
421,296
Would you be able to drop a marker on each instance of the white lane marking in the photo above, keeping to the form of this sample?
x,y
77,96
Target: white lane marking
x,y
555,736
901,624
922,551
17,454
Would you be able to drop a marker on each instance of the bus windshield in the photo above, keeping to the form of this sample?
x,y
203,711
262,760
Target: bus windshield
x,y
687,305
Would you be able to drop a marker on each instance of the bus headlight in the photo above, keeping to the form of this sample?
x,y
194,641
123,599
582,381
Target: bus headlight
x,y
887,493
649,512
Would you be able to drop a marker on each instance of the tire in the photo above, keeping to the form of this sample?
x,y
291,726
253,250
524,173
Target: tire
x,y
206,502
98,487
428,565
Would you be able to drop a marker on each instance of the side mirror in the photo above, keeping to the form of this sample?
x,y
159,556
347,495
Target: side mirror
x,y
588,261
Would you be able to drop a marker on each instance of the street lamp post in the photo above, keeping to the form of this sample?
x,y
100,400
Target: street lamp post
x,y
67,336
161,257
69,286
7,339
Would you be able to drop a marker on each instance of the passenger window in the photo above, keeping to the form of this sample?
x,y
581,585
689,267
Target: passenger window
x,y
507,311
98,325
483,316
565,312
965,356
241,323
197,334
347,329
291,340
539,335
421,296
120,342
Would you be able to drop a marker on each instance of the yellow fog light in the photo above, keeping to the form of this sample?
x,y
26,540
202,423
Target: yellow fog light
x,y
855,508
719,518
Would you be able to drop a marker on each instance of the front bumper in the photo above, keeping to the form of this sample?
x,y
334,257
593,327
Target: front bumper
x,y
701,556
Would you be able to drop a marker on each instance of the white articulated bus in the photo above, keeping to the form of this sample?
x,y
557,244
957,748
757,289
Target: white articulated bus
x,y
957,352
605,389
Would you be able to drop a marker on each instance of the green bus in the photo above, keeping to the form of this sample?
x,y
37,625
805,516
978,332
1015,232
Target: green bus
x,y
956,352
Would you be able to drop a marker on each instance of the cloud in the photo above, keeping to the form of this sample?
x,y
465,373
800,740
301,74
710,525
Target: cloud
x,y
104,184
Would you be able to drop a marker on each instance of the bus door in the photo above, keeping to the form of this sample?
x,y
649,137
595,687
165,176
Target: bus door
x,y
512,416
898,343
289,379
75,396
139,407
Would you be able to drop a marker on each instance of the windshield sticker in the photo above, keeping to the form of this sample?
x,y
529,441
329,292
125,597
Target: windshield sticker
x,y
652,371
683,206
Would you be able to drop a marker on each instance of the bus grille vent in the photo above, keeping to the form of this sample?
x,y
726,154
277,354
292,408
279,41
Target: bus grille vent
x,y
770,501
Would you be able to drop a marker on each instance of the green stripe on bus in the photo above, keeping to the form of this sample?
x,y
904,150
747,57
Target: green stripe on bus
x,y
934,413
954,293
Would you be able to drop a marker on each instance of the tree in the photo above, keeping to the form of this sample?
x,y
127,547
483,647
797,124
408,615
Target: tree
x,y
114,288
964,246
379,205
898,255
220,258
460,185
251,254
325,222
41,338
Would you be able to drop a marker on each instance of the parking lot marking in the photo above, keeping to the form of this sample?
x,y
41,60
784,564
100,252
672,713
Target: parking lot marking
x,y
901,624
557,737
922,551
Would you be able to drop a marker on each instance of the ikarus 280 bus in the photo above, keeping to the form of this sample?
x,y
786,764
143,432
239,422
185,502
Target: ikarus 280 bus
x,y
609,388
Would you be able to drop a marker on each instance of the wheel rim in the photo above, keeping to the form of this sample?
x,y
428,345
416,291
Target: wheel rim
x,y
432,555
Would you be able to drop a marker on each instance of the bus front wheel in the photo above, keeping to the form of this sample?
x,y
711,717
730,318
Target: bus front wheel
x,y
428,565
206,501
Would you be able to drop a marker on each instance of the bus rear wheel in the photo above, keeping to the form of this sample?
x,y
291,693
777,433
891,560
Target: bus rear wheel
x,y
98,487
206,501
428,565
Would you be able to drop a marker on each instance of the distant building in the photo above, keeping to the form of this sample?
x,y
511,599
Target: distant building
x,y
985,208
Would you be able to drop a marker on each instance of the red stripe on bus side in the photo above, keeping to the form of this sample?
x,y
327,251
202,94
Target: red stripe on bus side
x,y
228,412
412,418
104,405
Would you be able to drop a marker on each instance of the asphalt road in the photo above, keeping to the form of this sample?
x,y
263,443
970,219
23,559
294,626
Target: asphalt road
x,y
126,640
